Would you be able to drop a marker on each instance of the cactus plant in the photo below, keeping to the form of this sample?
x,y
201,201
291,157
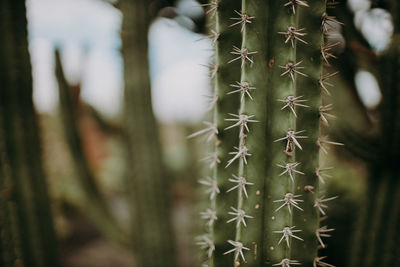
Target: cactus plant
x,y
27,233
145,179
265,201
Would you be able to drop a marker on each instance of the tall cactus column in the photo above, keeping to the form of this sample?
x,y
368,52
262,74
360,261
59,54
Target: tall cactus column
x,y
23,190
274,165
147,185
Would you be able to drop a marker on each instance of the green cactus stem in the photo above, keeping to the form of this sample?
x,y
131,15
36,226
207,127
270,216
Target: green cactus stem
x,y
146,182
277,129
25,194
95,204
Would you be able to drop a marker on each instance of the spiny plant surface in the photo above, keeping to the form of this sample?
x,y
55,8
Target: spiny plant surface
x,y
268,80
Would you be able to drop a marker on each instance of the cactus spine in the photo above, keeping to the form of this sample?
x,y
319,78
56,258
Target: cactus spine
x,y
276,124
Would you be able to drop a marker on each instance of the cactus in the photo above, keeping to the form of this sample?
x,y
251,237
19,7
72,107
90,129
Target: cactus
x,y
265,201
146,181
377,238
27,233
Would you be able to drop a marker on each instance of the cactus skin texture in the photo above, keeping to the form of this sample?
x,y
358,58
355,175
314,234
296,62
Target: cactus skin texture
x,y
146,181
275,149
27,233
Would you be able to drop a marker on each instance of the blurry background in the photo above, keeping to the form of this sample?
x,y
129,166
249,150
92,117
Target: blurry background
x,y
87,34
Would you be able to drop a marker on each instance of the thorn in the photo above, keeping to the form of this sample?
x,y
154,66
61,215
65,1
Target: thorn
x,y
321,175
212,7
240,216
294,3
318,262
292,68
213,189
289,169
241,184
242,19
326,51
290,201
292,140
287,263
238,249
212,158
324,115
293,34
323,81
287,233
212,131
212,102
214,36
243,55
210,215
319,203
241,121
327,23
206,242
323,141
244,89
242,152
291,102
322,232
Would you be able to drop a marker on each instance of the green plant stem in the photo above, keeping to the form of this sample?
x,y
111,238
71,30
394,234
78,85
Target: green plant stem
x,y
95,204
147,185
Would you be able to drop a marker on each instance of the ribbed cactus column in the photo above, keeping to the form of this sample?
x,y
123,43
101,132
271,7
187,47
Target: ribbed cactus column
x,y
25,193
275,161
147,184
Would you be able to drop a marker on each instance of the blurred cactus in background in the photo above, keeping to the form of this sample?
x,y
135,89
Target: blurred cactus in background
x,y
26,226
375,140
146,183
